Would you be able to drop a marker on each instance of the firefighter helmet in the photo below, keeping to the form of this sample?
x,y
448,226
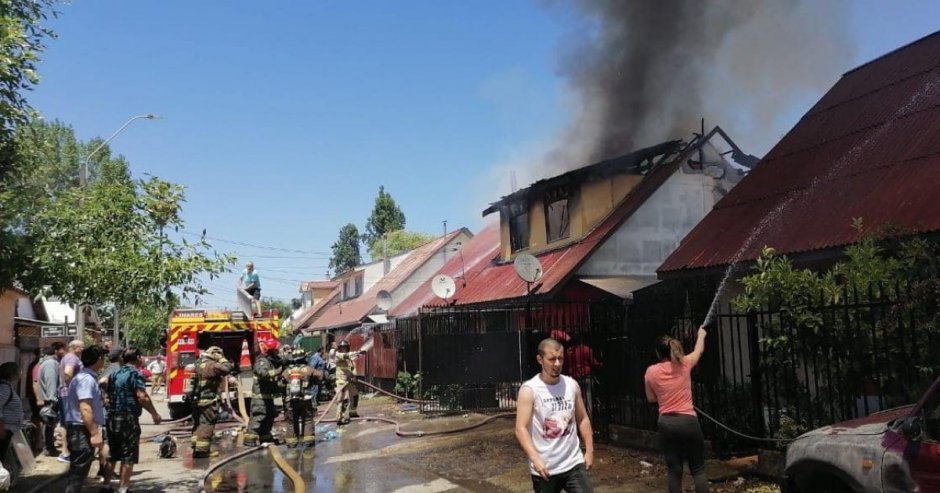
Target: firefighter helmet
x,y
344,346
214,353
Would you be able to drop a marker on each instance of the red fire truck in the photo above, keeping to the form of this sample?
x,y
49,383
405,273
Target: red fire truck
x,y
194,330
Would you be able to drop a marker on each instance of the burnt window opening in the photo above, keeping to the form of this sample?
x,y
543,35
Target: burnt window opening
x,y
518,226
557,219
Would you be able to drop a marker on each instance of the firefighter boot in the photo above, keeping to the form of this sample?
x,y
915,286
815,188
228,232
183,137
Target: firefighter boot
x,y
353,413
343,417
309,441
291,442
251,440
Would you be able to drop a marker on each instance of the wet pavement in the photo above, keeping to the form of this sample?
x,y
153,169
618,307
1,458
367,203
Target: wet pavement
x,y
362,457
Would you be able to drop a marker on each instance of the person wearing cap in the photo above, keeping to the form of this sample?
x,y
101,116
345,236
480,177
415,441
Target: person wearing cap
x,y
346,380
83,412
210,370
266,370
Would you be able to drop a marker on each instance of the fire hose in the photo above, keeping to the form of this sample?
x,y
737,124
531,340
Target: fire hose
x,y
290,472
404,399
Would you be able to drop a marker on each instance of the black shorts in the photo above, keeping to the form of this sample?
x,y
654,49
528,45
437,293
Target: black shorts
x,y
124,437
254,292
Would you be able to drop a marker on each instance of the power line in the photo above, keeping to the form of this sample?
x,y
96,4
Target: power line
x,y
254,245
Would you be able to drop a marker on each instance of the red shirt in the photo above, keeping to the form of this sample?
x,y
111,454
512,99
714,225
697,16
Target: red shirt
x,y
581,361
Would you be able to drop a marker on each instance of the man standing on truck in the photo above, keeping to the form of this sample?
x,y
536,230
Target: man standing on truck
x,y
346,380
267,369
251,283
210,370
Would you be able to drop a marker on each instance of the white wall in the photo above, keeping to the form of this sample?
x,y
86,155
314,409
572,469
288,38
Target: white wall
x,y
431,267
374,272
647,237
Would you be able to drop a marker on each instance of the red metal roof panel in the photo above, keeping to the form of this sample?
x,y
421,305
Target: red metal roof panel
x,y
870,148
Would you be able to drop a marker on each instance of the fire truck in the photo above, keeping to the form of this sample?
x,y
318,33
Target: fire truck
x,y
194,330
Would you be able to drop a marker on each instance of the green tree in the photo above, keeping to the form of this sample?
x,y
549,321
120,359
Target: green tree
x,y
146,323
346,250
283,308
386,217
22,37
21,41
106,243
398,241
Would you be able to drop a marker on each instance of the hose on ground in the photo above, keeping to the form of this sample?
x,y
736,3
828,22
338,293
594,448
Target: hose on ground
x,y
299,484
214,467
738,433
405,399
419,433
188,417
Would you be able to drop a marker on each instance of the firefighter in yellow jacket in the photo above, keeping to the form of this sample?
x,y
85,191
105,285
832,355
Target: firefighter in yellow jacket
x,y
346,380
210,370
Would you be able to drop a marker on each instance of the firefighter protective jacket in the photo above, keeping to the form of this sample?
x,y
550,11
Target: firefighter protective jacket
x,y
209,375
265,378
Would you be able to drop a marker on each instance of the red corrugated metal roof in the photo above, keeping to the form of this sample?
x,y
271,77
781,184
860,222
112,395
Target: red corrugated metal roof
x,y
475,255
870,148
489,280
353,311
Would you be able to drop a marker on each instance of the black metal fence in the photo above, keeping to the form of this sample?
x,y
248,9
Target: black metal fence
x,y
774,371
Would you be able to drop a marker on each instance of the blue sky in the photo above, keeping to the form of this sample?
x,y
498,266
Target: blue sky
x,y
283,118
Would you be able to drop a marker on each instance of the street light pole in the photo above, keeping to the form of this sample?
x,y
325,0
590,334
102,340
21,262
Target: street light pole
x,y
83,182
84,165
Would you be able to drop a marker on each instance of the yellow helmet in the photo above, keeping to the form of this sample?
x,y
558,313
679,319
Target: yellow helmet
x,y
214,353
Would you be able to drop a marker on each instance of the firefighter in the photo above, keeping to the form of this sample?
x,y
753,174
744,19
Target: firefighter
x,y
300,387
266,371
211,368
346,380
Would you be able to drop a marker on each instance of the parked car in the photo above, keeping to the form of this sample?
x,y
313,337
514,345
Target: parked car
x,y
897,450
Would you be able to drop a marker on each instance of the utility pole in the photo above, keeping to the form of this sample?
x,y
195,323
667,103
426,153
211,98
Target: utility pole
x,y
386,265
445,245
83,182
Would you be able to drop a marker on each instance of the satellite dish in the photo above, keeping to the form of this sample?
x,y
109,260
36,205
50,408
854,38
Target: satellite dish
x,y
443,286
383,300
528,267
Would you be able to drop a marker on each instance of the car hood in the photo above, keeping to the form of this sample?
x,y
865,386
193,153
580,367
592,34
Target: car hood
x,y
872,424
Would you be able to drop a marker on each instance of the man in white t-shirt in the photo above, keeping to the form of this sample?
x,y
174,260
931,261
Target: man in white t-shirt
x,y
157,368
549,415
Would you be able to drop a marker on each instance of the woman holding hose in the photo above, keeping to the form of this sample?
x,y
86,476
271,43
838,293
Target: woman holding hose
x,y
669,383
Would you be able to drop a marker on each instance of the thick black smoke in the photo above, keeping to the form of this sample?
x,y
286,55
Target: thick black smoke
x,y
641,72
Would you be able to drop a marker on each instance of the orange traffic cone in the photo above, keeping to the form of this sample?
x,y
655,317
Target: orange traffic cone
x,y
245,361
